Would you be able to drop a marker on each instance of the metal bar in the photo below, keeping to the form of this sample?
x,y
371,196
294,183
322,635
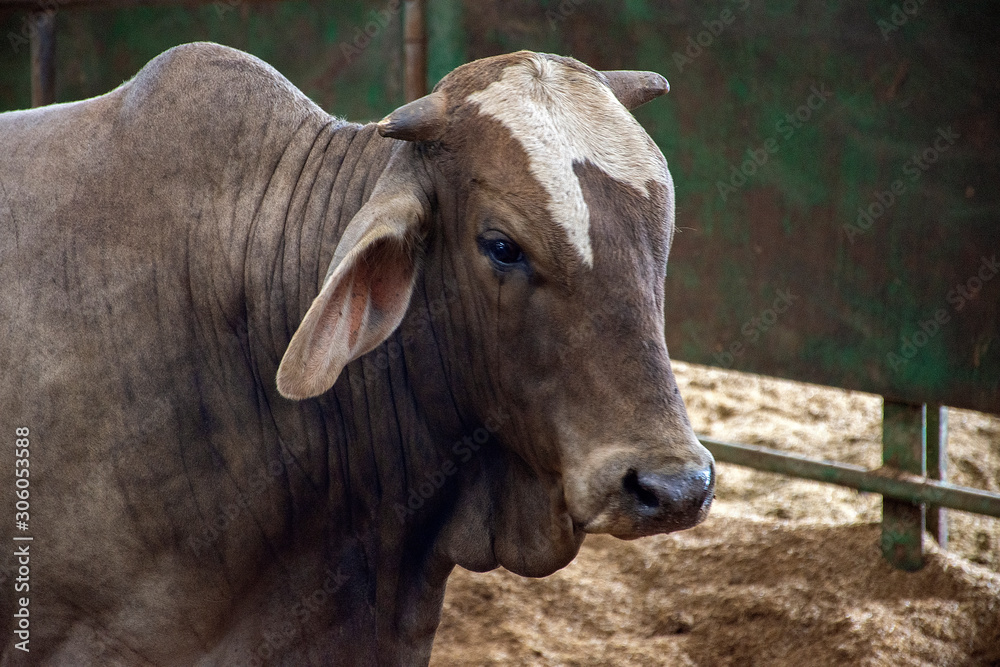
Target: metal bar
x,y
903,449
415,46
909,488
43,57
936,427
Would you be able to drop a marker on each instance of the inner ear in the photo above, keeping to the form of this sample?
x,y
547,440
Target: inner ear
x,y
375,288
396,264
360,305
367,289
380,294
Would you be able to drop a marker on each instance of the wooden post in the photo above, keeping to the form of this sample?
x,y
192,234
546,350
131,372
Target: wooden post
x,y
936,421
415,48
903,449
43,57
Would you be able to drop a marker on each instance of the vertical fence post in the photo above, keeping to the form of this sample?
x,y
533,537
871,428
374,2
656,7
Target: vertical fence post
x,y
415,49
903,449
937,468
43,57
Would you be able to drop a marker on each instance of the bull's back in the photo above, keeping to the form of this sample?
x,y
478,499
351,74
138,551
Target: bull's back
x,y
123,220
102,199
102,202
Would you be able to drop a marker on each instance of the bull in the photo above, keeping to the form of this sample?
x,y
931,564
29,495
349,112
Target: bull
x,y
278,373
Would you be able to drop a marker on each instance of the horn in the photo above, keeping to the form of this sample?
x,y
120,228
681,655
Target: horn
x,y
633,89
420,120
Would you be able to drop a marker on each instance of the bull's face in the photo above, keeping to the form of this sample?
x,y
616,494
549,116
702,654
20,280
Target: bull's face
x,y
535,191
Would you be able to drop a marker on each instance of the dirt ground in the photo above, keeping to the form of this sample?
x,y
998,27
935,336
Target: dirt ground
x,y
784,572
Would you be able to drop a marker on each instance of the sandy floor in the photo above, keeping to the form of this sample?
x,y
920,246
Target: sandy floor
x,y
784,572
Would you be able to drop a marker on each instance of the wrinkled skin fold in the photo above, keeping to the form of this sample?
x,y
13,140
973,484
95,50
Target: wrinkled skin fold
x,y
278,380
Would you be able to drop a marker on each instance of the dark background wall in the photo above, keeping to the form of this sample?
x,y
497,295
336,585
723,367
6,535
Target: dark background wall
x,y
836,163
309,41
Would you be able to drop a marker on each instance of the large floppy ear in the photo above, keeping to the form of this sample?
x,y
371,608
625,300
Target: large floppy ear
x,y
367,288
634,88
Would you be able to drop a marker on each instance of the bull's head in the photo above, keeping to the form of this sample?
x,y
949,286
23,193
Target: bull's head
x,y
527,182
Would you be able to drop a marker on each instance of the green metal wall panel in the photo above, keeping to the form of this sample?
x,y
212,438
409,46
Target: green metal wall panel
x,y
829,109
345,55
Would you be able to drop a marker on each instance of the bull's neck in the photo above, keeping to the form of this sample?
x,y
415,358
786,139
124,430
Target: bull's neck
x,y
367,443
320,180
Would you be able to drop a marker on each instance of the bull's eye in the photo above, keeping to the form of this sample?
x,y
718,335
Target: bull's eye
x,y
503,252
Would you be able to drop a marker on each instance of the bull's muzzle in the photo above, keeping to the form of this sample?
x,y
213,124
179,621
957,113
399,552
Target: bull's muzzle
x,y
633,492
665,502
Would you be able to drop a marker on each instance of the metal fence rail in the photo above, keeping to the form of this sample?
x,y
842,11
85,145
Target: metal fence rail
x,y
884,481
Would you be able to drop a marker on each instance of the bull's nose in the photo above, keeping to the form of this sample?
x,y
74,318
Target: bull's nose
x,y
675,500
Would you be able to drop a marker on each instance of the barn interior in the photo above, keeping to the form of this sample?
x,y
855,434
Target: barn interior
x,y
832,306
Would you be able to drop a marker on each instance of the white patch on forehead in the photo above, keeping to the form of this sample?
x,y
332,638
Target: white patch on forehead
x,y
560,116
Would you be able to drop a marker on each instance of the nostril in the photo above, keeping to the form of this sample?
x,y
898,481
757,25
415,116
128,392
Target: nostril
x,y
634,487
679,496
